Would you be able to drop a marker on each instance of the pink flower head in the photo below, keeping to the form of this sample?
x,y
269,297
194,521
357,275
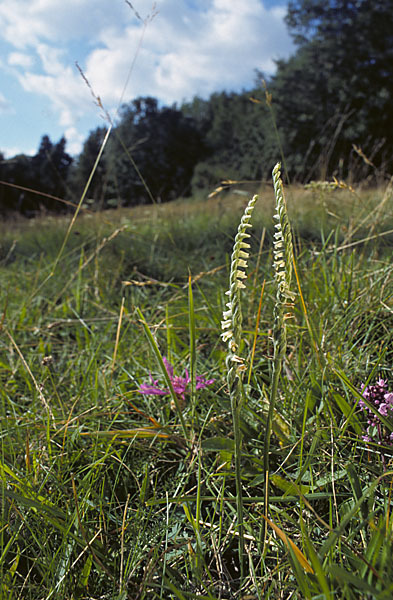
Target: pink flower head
x,y
180,384
389,398
382,400
383,409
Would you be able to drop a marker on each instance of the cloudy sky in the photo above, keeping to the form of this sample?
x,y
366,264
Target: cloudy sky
x,y
172,50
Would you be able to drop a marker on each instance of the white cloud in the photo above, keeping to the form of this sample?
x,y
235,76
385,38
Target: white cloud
x,y
5,105
27,22
61,84
20,59
189,48
11,151
187,52
75,140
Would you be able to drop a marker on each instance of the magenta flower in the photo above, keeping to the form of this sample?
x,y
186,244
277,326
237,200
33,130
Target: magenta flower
x,y
180,384
382,400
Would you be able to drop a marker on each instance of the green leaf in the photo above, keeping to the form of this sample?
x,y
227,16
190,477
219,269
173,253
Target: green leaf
x,y
357,489
348,412
218,444
85,573
343,576
289,487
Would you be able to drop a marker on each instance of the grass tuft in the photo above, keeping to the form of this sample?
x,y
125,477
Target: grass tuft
x,y
110,493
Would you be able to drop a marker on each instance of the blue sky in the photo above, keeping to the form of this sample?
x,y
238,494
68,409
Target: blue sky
x,y
175,50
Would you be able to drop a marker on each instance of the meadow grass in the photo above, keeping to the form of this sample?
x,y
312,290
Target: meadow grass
x,y
110,493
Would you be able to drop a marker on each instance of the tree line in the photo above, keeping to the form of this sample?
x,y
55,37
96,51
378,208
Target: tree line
x,y
327,111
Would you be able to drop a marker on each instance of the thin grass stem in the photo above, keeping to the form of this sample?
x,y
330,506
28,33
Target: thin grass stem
x,y
157,353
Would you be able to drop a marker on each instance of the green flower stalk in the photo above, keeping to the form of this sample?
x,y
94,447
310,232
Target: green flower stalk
x,y
232,331
283,262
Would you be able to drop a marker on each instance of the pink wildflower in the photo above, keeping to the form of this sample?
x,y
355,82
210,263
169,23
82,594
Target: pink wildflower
x,y
382,400
180,384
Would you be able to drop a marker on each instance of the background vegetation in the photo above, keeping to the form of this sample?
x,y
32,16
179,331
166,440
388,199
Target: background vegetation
x,y
330,103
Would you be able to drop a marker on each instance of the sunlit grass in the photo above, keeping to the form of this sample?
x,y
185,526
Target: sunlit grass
x,y
113,494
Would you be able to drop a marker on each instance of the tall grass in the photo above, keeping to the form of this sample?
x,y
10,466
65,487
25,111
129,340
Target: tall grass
x,y
110,493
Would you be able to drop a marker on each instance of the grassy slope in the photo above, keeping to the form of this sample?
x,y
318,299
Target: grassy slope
x,y
95,504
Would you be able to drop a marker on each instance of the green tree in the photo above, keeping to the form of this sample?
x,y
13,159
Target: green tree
x,y
152,153
82,167
18,171
3,190
337,89
239,136
45,172
50,171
